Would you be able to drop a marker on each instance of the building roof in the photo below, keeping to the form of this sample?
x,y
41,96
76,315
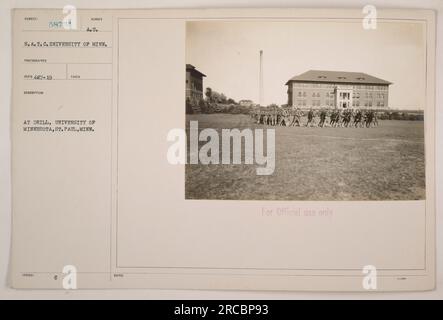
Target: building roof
x,y
191,68
337,77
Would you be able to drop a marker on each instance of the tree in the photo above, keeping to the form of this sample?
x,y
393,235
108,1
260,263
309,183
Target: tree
x,y
203,106
215,97
231,101
223,98
208,94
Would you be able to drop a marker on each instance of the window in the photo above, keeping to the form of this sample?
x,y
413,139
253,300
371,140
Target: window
x,y
345,95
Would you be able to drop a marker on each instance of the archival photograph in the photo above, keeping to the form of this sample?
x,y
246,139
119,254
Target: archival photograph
x,y
305,110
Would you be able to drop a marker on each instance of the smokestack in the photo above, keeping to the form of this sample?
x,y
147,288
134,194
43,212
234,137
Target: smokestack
x,y
261,79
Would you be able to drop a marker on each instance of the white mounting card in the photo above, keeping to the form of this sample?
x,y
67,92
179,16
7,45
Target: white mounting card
x,y
247,149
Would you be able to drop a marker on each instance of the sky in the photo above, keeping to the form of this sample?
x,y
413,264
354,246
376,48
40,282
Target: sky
x,y
228,53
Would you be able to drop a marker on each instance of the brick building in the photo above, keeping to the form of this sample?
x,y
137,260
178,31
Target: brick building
x,y
194,84
336,89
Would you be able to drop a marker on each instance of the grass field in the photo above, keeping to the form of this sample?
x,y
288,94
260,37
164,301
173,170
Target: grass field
x,y
382,163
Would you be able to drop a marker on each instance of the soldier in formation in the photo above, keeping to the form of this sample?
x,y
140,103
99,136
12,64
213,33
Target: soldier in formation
x,y
343,118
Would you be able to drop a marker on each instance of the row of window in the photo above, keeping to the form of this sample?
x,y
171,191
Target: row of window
x,y
367,95
331,103
368,104
332,85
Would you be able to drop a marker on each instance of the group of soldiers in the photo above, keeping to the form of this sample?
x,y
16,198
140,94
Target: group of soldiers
x,y
316,118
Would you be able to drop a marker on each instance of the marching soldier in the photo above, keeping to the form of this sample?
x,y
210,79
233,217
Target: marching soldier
x,y
374,119
310,118
357,118
322,118
297,114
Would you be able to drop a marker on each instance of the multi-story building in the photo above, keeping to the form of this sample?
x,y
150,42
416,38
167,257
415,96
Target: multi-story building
x,y
336,89
194,83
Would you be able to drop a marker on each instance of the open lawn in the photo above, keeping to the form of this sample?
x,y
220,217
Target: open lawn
x,y
382,163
